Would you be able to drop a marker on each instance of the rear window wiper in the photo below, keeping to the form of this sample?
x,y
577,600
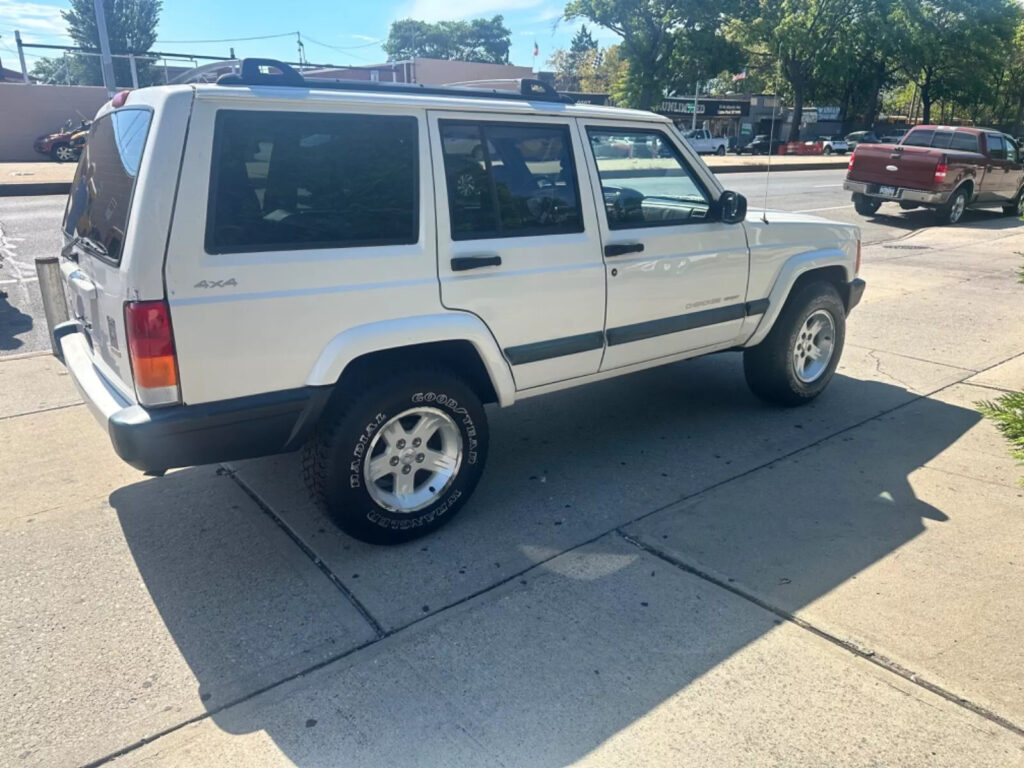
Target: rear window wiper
x,y
87,244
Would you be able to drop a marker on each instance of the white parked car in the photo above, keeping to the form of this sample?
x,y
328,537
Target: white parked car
x,y
833,145
704,143
355,269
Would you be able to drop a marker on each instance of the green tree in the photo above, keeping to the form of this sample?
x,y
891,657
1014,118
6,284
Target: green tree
x,y
483,40
131,28
582,42
568,64
656,35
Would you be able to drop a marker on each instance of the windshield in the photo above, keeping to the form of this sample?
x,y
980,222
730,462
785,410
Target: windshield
x,y
101,194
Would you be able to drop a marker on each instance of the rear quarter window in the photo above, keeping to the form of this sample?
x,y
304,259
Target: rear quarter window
x,y
965,142
291,181
104,185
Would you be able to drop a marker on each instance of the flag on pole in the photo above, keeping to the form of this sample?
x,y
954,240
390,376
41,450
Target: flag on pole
x,y
536,49
741,76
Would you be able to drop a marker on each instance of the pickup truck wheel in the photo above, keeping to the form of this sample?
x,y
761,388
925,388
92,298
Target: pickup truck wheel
x,y
401,458
1016,208
866,206
798,357
720,151
827,151
953,211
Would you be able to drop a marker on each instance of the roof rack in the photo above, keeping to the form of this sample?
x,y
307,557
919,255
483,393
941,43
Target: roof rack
x,y
262,72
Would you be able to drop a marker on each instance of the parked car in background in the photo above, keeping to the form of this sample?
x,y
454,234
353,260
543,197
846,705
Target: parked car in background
x,y
833,145
893,139
207,321
760,145
940,167
704,143
79,137
861,137
58,144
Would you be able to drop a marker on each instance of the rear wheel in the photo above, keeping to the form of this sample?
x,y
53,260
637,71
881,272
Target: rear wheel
x,y
828,150
63,153
952,211
401,458
866,206
720,151
1016,208
798,357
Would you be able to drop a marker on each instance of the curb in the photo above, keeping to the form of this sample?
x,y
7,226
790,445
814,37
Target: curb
x,y
26,188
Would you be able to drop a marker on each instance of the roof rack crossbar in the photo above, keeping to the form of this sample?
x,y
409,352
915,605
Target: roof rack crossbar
x,y
262,72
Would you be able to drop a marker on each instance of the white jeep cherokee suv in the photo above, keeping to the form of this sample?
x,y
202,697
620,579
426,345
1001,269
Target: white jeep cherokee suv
x,y
268,263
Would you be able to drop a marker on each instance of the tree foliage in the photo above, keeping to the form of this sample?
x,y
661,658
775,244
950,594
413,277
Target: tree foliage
x,y
591,71
131,28
482,40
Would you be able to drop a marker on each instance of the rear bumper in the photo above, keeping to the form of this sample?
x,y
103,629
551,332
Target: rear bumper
x,y
903,194
155,440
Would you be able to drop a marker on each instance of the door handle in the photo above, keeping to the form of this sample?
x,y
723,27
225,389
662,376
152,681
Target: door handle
x,y
462,263
82,283
620,249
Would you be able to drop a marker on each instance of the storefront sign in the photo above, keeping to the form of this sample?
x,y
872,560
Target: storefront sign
x,y
705,107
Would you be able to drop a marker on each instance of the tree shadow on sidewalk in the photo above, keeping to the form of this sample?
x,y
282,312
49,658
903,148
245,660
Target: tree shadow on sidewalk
x,y
518,673
13,323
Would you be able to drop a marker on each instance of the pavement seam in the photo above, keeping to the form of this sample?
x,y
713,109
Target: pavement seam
x,y
40,410
880,661
617,530
378,631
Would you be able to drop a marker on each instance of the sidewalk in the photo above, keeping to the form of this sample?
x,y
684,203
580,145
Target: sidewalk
x,y
656,570
50,178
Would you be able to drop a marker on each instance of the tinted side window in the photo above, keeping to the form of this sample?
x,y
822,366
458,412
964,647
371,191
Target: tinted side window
x,y
509,180
967,142
288,181
918,138
941,139
996,148
101,194
1012,150
650,185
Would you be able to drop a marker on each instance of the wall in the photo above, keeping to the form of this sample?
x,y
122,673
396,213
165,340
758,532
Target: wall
x,y
33,110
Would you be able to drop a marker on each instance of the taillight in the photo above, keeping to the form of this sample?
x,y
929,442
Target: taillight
x,y
151,348
850,166
940,170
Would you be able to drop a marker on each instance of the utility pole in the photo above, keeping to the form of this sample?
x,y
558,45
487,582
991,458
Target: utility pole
x,y
21,57
696,90
106,62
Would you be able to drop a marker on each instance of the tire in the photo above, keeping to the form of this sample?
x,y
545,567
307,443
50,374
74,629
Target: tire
x,y
952,211
62,153
771,368
720,151
1016,208
866,206
338,459
827,151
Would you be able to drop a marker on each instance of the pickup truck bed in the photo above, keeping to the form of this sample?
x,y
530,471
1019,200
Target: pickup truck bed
x,y
948,169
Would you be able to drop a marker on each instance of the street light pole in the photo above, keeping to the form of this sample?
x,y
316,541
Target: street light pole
x,y
696,90
106,62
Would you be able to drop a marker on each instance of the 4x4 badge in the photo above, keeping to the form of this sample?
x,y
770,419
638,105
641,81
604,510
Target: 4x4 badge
x,y
229,283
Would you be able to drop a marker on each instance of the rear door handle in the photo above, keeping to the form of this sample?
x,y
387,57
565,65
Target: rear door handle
x,y
462,263
84,285
620,249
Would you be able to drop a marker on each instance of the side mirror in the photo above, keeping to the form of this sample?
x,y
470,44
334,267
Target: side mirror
x,y
732,207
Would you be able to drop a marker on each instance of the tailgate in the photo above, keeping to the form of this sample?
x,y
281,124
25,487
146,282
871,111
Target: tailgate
x,y
895,165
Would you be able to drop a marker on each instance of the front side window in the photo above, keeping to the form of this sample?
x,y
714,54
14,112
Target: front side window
x,y
1012,150
650,187
292,180
508,180
996,148
101,194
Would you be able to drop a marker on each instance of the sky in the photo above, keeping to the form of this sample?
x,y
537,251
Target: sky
x,y
343,32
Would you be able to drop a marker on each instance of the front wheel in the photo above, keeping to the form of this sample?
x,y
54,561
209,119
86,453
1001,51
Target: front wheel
x,y
720,151
63,153
866,206
828,150
797,359
1016,208
401,458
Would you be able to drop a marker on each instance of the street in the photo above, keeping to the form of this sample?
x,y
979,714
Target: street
x,y
655,570
29,226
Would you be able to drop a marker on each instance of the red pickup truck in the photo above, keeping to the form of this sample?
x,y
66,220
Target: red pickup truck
x,y
941,167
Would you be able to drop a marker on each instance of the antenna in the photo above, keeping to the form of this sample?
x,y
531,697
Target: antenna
x,y
771,140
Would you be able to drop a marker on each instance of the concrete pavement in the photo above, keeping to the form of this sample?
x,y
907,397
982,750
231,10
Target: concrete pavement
x,y
654,570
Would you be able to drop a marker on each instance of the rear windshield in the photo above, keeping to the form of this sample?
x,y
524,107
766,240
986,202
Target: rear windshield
x,y
101,194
